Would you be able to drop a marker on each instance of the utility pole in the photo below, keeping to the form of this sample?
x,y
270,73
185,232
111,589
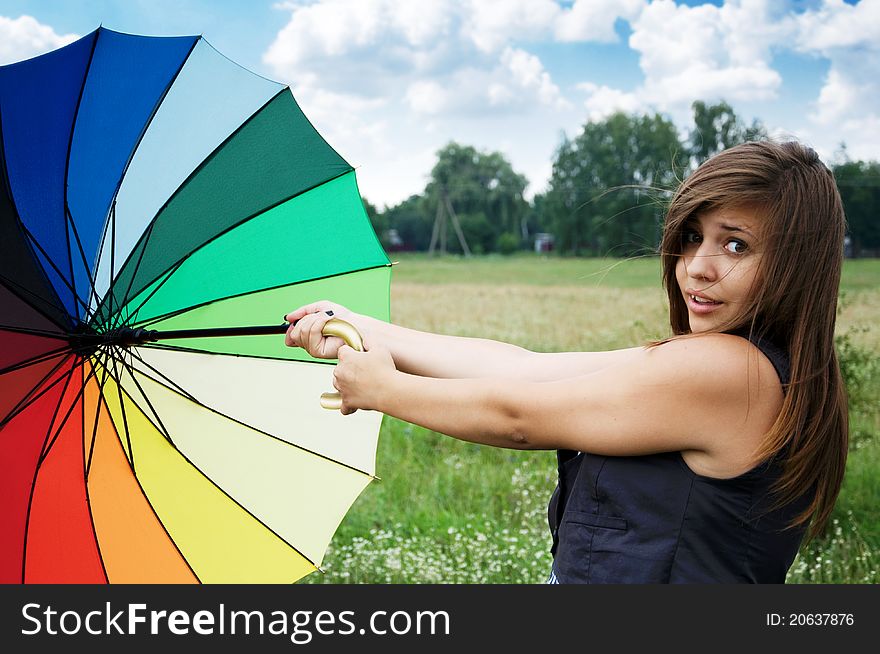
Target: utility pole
x,y
444,212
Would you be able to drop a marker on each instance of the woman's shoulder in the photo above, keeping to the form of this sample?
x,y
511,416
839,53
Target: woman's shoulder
x,y
737,376
726,366
717,357
710,394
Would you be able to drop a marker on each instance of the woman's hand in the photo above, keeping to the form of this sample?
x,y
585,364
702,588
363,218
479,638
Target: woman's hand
x,y
307,324
363,378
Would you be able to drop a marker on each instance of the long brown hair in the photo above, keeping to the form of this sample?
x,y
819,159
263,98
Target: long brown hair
x,y
794,304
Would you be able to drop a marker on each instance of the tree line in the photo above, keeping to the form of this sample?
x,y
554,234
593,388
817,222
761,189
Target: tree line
x,y
607,193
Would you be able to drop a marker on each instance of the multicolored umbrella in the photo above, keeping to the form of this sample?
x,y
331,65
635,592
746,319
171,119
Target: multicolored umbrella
x,y
153,190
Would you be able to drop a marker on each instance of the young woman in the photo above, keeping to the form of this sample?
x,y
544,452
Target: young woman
x,y
705,457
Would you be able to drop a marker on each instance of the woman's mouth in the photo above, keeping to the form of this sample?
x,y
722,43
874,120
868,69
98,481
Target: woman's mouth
x,y
701,305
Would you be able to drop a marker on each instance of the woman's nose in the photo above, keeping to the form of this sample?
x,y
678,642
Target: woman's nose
x,y
703,264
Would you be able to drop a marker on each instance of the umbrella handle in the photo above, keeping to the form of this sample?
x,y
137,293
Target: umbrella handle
x,y
348,333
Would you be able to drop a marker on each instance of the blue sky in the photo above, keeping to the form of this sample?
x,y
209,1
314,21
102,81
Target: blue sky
x,y
389,82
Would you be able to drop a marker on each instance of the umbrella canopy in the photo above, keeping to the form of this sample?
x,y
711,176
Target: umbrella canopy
x,y
150,187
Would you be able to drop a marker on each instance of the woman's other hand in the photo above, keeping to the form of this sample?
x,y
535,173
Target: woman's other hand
x,y
362,378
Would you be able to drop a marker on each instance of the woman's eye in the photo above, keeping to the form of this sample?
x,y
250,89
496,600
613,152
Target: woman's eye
x,y
735,247
691,237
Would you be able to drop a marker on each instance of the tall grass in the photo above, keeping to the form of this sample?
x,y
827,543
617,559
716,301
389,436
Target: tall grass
x,y
452,512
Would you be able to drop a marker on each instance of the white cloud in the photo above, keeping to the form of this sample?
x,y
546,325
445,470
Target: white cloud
x,y
702,52
387,77
710,53
377,47
518,82
25,37
347,29
492,24
837,24
849,36
588,20
604,101
846,108
707,52
529,75
836,98
427,97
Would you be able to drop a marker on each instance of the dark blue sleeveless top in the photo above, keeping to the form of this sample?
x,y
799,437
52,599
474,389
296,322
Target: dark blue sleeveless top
x,y
651,519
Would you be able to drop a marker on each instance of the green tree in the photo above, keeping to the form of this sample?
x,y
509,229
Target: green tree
x,y
483,190
716,128
606,186
413,221
859,186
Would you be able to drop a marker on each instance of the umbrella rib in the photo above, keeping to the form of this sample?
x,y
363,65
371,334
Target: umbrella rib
x,y
8,283
110,297
70,255
132,315
134,150
67,213
178,312
143,492
117,378
79,396
103,240
149,229
36,359
86,474
101,385
67,283
254,215
82,255
222,490
225,231
47,450
20,224
244,424
244,68
37,472
122,409
28,399
112,256
109,362
170,382
116,314
33,332
130,369
19,289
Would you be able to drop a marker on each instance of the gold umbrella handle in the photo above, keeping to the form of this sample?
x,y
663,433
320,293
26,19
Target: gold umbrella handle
x,y
347,332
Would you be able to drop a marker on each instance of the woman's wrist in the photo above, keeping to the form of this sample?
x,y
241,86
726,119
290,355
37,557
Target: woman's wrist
x,y
388,392
372,330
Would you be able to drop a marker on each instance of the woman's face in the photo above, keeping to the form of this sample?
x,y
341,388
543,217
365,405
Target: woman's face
x,y
718,265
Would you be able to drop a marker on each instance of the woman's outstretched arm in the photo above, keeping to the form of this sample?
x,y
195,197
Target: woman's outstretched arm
x,y
715,395
446,357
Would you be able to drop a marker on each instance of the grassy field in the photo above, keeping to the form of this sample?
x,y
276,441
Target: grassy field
x,y
452,512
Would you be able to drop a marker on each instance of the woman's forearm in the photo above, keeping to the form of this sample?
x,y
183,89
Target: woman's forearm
x,y
474,410
447,357
460,357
